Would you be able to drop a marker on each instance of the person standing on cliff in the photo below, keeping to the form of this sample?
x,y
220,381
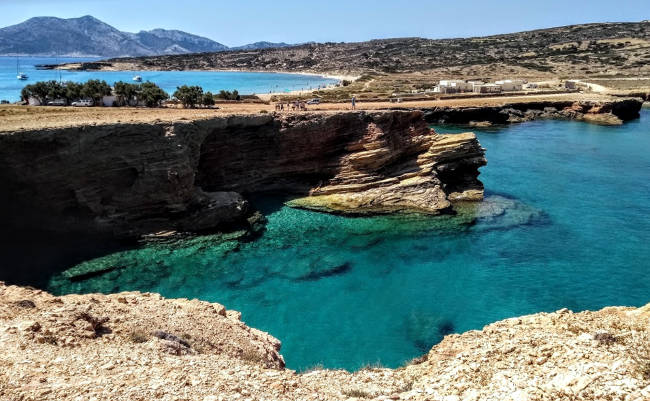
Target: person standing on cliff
x,y
354,103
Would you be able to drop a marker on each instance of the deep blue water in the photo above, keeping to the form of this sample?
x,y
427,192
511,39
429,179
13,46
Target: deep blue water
x,y
245,82
566,224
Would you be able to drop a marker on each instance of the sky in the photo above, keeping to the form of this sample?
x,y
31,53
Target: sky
x,y
244,21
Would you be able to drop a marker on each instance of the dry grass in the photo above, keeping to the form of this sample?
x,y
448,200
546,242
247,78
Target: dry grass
x,y
252,356
356,393
138,336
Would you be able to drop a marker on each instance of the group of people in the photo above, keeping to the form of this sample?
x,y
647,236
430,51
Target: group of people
x,y
293,106
302,106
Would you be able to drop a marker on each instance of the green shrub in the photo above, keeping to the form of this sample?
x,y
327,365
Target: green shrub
x,y
208,99
189,96
151,94
95,90
227,95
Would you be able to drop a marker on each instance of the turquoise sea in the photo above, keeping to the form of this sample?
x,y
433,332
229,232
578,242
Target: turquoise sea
x,y
566,223
245,82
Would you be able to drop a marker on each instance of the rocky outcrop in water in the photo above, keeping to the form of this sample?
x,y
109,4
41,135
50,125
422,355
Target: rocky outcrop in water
x,y
611,112
128,179
142,346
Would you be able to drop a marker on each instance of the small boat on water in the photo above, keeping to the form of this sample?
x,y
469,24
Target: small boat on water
x,y
20,75
137,78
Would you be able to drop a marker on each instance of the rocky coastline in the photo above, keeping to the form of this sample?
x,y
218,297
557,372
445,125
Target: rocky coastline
x,y
131,179
141,346
612,112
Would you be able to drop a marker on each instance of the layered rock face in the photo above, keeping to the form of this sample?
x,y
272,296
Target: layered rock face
x,y
142,347
611,112
353,163
131,179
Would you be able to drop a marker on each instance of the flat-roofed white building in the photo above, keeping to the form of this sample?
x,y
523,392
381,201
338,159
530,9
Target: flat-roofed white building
x,y
454,86
511,84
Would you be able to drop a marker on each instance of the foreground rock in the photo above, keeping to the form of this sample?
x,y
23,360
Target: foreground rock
x,y
142,347
604,112
129,179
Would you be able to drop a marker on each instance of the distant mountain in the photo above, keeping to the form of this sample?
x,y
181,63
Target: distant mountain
x,y
261,45
88,36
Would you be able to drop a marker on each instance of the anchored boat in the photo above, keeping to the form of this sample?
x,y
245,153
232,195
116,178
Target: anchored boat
x,y
20,75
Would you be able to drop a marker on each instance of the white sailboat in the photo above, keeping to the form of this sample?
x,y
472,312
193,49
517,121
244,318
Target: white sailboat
x,y
20,75
137,78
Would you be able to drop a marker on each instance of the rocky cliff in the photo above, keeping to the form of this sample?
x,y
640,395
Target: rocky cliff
x,y
127,179
610,112
142,347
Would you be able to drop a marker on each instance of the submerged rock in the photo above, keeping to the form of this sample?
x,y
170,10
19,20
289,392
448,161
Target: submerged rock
x,y
497,212
318,274
425,330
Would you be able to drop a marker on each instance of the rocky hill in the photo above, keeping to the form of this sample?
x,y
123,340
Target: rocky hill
x,y
261,45
142,347
603,48
89,36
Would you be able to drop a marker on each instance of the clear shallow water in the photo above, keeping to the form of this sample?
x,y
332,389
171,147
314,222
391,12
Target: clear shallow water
x,y
245,82
566,225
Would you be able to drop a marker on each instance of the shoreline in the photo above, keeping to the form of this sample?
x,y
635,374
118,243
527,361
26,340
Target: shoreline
x,y
327,75
263,96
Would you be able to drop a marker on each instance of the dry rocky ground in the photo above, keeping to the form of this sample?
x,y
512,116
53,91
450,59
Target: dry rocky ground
x,y
141,347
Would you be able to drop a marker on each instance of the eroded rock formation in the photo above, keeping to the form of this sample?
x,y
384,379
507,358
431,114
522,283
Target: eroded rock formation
x,y
142,347
130,179
609,112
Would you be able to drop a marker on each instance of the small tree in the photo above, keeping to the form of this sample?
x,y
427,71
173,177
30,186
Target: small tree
x,y
72,91
55,90
227,95
38,91
151,94
208,99
189,96
96,89
126,92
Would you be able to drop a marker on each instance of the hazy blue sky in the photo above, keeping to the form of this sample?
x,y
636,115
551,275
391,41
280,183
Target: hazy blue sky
x,y
239,22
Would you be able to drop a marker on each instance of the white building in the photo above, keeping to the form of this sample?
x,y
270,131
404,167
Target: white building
x,y
511,84
454,86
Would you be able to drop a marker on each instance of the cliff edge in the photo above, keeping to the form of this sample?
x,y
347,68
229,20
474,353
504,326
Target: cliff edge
x,y
141,346
129,179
